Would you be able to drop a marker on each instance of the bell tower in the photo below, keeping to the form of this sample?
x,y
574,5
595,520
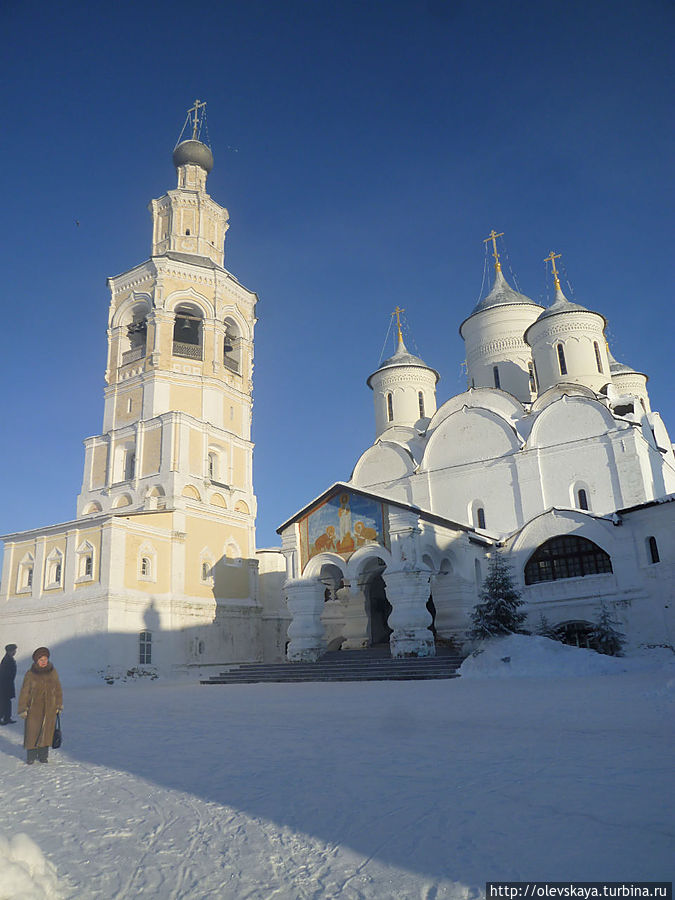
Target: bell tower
x,y
178,398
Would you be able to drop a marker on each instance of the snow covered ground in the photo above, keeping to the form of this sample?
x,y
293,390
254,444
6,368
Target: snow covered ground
x,y
379,790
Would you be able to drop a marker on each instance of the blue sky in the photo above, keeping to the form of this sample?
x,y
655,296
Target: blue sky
x,y
363,150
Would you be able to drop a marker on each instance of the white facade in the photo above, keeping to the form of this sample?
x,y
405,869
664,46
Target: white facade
x,y
552,455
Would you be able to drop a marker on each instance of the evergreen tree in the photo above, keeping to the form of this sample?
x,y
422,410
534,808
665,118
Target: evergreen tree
x,y
498,612
604,637
545,629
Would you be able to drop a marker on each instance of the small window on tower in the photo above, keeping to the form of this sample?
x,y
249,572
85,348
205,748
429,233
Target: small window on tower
x,y
390,408
480,517
145,567
582,499
598,359
420,397
495,372
561,359
187,231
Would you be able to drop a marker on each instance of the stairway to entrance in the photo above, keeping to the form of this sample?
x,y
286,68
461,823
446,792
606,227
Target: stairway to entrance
x,y
372,664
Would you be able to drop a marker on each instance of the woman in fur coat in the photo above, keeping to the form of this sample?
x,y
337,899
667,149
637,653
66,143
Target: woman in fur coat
x,y
39,702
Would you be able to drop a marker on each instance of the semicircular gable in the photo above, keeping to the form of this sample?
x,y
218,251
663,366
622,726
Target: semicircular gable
x,y
384,461
559,522
469,435
570,419
561,390
499,402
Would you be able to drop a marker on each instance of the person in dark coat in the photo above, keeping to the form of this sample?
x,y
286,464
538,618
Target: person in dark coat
x,y
7,691
39,702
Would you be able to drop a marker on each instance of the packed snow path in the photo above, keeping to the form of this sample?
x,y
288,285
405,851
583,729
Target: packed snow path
x,y
377,790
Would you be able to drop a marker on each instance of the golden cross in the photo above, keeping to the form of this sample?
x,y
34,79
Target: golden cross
x,y
199,104
397,312
493,237
552,258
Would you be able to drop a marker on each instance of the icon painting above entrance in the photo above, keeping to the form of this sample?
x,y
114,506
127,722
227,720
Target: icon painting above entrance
x,y
341,524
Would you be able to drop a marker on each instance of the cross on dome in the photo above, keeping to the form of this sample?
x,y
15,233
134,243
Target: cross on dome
x,y
493,237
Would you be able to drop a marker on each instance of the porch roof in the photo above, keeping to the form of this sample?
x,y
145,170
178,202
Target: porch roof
x,y
423,514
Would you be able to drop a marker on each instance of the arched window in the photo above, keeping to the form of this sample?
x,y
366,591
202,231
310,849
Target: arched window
x,y
146,568
232,346
206,571
85,561
213,465
576,634
495,372
129,465
390,407
566,556
598,359
480,517
533,380
137,331
187,333
582,499
54,569
653,549
24,581
145,648
561,359
420,398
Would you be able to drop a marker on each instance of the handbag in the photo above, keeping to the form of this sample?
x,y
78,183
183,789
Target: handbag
x,y
57,740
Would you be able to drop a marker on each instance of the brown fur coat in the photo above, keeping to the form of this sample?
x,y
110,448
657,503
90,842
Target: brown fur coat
x,y
40,698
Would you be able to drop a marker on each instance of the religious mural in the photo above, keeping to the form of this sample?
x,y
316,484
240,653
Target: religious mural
x,y
342,524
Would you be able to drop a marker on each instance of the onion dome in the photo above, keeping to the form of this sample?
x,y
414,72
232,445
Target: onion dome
x,y
619,368
502,294
403,357
562,305
193,153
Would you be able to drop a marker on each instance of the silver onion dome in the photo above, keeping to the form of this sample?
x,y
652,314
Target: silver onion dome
x,y
193,153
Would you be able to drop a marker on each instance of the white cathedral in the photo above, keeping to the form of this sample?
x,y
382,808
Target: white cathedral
x,y
552,455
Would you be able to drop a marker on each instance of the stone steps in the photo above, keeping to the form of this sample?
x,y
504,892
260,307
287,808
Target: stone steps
x,y
342,666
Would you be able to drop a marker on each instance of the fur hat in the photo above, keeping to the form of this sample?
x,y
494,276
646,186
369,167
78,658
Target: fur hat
x,y
10,647
41,651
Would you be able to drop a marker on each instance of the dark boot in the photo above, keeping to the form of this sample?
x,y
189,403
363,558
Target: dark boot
x,y
31,756
43,754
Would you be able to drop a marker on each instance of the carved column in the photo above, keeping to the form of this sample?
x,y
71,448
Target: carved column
x,y
356,617
306,632
408,592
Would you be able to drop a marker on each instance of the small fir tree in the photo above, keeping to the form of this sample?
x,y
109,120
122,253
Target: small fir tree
x,y
545,629
498,612
604,637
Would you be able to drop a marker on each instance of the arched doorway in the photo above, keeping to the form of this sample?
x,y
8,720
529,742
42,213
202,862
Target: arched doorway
x,y
378,607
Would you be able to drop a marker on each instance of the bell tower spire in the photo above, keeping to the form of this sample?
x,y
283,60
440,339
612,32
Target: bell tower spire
x,y
186,219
